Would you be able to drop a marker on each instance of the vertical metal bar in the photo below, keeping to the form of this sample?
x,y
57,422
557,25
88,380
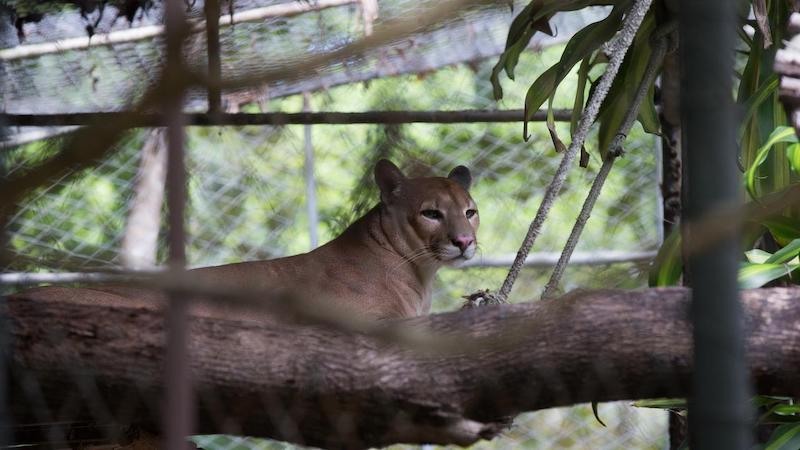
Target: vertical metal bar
x,y
212,12
719,414
5,341
177,419
311,181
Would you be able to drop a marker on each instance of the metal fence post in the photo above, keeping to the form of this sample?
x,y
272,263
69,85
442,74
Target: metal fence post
x,y
178,412
719,415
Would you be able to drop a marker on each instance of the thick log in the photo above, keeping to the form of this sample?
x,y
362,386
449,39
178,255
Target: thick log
x,y
75,361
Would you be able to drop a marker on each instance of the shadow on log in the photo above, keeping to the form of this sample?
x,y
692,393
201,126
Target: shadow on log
x,y
78,363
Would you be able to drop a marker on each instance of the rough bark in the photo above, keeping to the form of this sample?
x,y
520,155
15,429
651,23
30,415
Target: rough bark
x,y
76,362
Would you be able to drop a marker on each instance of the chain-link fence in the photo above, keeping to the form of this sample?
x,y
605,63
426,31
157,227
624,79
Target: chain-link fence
x,y
260,192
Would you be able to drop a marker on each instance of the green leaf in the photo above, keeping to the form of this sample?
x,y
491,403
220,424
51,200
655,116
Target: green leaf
x,y
780,134
783,229
577,106
648,116
623,91
661,403
581,45
757,275
763,93
558,144
793,155
668,265
786,253
596,415
757,256
785,410
534,17
785,437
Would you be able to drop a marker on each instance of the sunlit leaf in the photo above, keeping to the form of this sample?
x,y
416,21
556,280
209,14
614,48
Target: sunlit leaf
x,y
756,275
757,256
785,437
781,134
785,254
786,409
793,156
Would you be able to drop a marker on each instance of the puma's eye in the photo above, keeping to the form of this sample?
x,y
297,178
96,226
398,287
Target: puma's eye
x,y
470,213
432,214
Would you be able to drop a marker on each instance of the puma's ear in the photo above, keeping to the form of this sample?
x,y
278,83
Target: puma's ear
x,y
388,177
461,176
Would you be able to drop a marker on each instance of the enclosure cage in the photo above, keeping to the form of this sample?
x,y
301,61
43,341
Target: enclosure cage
x,y
282,165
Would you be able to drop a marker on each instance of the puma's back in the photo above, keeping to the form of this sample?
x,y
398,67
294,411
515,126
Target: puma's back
x,y
382,265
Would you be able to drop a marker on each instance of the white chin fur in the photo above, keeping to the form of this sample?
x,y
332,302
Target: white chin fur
x,y
454,257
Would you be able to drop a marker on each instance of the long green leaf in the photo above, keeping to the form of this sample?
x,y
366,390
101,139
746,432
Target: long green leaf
x,y
762,94
661,403
535,16
785,437
668,265
621,96
786,254
580,46
781,134
786,409
793,155
648,116
756,275
580,90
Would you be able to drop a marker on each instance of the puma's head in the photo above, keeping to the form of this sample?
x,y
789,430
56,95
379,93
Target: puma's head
x,y
434,217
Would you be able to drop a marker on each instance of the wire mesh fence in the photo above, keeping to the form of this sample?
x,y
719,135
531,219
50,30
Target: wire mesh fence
x,y
249,199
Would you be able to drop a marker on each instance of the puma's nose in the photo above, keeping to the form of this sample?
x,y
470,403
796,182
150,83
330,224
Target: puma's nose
x,y
462,242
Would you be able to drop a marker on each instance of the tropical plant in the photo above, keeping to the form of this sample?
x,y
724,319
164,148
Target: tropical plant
x,y
769,152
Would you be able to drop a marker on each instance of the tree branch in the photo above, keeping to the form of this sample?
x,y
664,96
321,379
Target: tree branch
x,y
323,387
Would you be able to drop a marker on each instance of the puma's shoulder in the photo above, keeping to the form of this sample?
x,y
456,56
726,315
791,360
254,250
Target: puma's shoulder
x,y
383,265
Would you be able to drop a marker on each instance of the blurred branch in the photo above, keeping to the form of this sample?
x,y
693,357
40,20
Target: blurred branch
x,y
299,383
152,31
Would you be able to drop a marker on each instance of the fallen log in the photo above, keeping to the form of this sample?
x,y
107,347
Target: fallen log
x,y
79,363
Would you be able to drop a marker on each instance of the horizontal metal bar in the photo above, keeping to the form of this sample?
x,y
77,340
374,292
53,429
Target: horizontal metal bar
x,y
547,259
301,118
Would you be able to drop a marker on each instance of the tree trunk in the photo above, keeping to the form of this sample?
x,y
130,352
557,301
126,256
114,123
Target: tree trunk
x,y
80,363
140,241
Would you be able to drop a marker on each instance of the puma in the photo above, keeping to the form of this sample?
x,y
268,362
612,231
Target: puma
x,y
383,265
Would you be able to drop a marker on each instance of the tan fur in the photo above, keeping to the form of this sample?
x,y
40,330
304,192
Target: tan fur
x,y
382,266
